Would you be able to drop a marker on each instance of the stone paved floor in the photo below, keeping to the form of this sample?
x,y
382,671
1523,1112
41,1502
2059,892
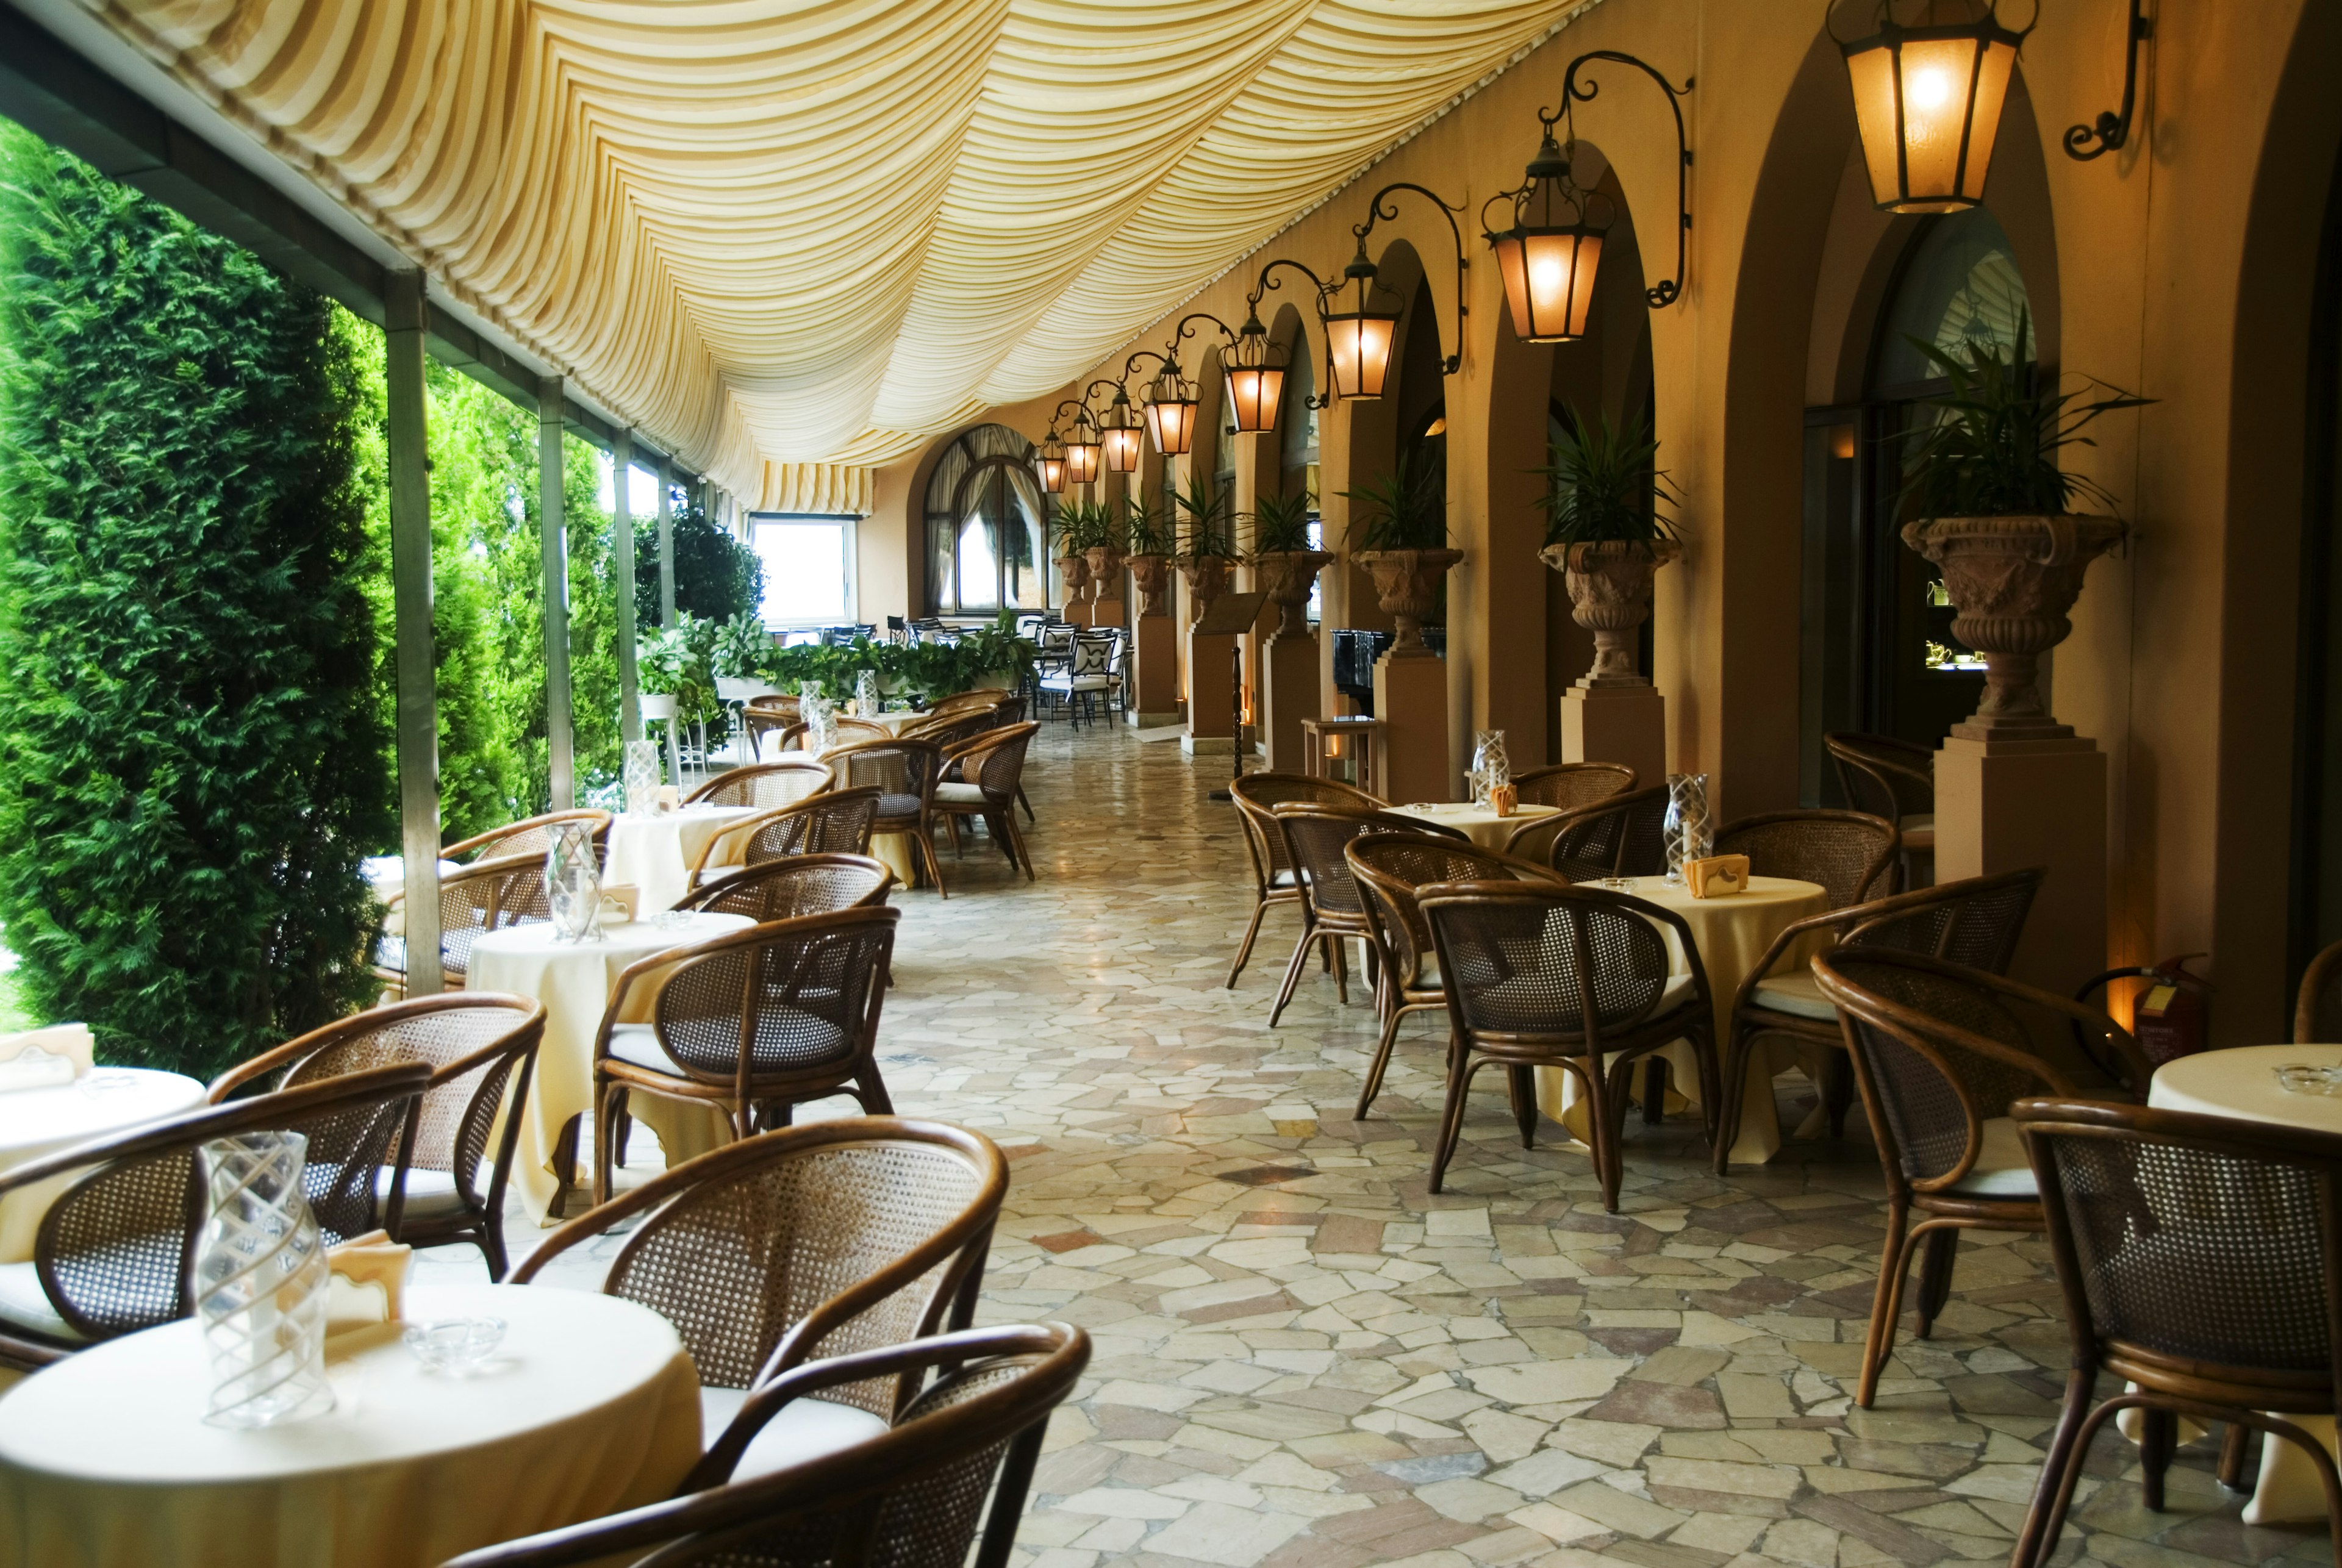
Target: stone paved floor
x,y
1304,1360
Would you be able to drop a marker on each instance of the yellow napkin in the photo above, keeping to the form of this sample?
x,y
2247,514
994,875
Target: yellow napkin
x,y
1718,876
367,1283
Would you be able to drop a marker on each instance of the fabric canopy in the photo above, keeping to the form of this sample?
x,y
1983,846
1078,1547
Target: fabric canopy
x,y
790,239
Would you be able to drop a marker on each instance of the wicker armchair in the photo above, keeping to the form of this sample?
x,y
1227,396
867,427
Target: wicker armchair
x,y
796,1246
906,772
482,897
2317,1010
1894,779
983,698
765,785
835,822
798,885
991,769
116,1250
1617,837
1331,909
751,1022
1545,976
1566,787
1973,923
2168,1293
951,730
533,836
850,733
1388,869
476,1043
916,1490
1274,879
1940,1051
1848,853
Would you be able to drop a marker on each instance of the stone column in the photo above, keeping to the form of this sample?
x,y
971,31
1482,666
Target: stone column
x,y
1616,724
2003,805
415,654
1411,699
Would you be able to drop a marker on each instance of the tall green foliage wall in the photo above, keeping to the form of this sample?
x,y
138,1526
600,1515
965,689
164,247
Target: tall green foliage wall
x,y
195,753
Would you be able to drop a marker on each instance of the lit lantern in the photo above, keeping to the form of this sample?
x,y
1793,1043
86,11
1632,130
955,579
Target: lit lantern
x,y
1255,374
1359,339
1120,432
1170,402
1928,102
1547,259
1082,449
1049,461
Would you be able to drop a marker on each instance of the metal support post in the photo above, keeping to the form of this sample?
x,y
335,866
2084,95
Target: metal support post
x,y
414,661
622,462
666,545
554,538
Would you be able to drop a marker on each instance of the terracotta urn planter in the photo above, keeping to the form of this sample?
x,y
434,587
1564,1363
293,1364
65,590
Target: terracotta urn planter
x,y
1286,576
1406,584
1152,575
2012,580
1106,569
1208,579
1609,584
1074,571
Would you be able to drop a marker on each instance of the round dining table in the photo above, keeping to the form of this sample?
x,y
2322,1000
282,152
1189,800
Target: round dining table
x,y
574,979
590,1406
1482,826
653,852
34,1123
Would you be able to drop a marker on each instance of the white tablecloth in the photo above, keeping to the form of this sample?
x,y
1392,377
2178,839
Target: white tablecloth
x,y
655,852
574,979
592,1407
38,1121
1732,934
1485,828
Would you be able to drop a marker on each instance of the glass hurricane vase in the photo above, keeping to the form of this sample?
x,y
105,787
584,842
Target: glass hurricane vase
x,y
1490,767
261,1285
1688,832
867,698
643,776
572,882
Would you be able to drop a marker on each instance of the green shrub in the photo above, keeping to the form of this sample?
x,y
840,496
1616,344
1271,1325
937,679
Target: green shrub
x,y
716,577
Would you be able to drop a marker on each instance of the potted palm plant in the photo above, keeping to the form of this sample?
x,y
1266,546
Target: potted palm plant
x,y
1990,505
1206,544
1398,525
1152,538
1608,536
1072,529
1104,548
1283,556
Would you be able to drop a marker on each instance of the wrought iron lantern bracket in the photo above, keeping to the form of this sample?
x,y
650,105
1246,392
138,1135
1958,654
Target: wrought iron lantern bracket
x,y
1378,209
2112,129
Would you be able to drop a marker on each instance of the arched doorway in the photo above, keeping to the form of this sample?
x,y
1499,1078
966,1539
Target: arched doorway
x,y
987,544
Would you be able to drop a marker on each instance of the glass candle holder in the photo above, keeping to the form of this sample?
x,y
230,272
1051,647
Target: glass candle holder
x,y
1688,832
261,1285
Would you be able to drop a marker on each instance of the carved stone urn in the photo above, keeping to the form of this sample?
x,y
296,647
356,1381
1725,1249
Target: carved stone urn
x,y
1208,579
1074,571
1152,573
1286,576
1406,584
1106,569
1609,584
2012,580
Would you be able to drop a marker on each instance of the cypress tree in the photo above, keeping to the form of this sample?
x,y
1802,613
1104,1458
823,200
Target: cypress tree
x,y
194,757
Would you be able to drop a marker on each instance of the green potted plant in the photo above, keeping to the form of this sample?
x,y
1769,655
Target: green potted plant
x,y
1606,534
1072,529
1206,544
1153,536
1104,547
1282,556
1398,533
1988,504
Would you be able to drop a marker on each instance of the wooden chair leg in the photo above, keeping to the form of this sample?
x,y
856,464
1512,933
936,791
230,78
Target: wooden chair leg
x,y
1460,1068
564,1166
1886,1303
1301,947
1376,1068
876,1100
2156,1438
1838,1093
2233,1448
1602,1132
2033,1546
1936,1277
1341,946
1655,1090
605,1108
1016,837
1729,1095
1022,801
925,846
1521,1084
951,825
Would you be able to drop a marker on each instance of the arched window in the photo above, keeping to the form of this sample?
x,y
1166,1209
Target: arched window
x,y
1957,285
987,536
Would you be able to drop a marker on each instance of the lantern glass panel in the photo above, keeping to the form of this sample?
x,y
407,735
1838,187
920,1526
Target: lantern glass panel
x,y
1928,111
1121,447
1081,461
1053,474
1172,424
1361,344
1254,392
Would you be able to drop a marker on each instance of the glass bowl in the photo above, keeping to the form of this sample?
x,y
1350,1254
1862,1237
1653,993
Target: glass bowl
x,y
456,1346
2297,1079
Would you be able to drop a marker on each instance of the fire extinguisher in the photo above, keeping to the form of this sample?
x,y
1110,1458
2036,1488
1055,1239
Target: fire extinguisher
x,y
2173,1016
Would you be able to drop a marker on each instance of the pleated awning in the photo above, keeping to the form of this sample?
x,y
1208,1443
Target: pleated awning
x,y
791,240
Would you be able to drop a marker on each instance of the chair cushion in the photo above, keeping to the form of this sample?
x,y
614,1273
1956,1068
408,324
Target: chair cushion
x,y
897,806
636,1045
1797,995
1426,975
1284,879
25,1304
2001,1170
1917,821
959,794
430,1195
1673,995
803,1430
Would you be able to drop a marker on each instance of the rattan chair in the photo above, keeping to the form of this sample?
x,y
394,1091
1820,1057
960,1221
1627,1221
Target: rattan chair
x,y
481,896
1617,837
1274,879
1566,787
476,1044
1940,1053
850,733
116,1250
533,836
953,730
1541,975
982,698
1332,910
796,885
906,772
1894,779
809,1242
1848,853
913,1495
2201,1266
1388,869
2318,1009
835,822
991,769
765,785
752,1024
1973,923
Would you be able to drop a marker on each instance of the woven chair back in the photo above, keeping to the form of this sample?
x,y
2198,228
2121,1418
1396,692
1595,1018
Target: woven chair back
x,y
983,699
1316,837
956,729
1573,786
765,785
1620,836
488,895
795,886
1882,776
905,766
1544,961
774,703
1850,854
1973,923
835,822
996,764
1257,794
779,999
1390,867
531,837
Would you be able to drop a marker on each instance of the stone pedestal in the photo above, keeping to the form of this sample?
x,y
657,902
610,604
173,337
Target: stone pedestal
x,y
1108,613
1616,724
1079,613
1155,653
1211,704
1288,679
2002,804
1411,699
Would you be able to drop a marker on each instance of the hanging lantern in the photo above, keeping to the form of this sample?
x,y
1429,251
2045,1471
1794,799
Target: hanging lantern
x,y
1082,449
1170,402
1360,338
1928,100
1255,375
1547,259
1119,430
1049,462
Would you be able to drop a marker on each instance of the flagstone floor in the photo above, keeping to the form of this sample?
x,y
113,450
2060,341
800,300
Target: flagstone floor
x,y
1304,1360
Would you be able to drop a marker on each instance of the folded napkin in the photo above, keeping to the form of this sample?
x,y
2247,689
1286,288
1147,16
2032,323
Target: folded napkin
x,y
44,1058
367,1283
1718,876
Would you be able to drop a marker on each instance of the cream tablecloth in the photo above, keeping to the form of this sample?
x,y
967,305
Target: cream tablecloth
x,y
574,979
1732,934
592,1407
656,851
38,1121
1485,828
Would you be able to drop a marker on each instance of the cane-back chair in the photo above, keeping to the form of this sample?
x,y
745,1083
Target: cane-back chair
x,y
765,785
1332,908
1940,1053
477,1044
2202,1269
991,769
115,1249
532,836
951,730
1388,869
912,1495
1894,779
2317,1010
1620,836
1274,879
752,1024
1565,787
1850,854
1973,923
905,772
480,897
796,885
850,733
835,822
984,698
801,1244
1544,974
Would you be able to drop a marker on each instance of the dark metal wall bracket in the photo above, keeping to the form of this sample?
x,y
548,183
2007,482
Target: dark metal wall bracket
x,y
2112,129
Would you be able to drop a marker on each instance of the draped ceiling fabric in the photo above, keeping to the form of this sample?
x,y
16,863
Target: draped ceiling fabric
x,y
791,239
